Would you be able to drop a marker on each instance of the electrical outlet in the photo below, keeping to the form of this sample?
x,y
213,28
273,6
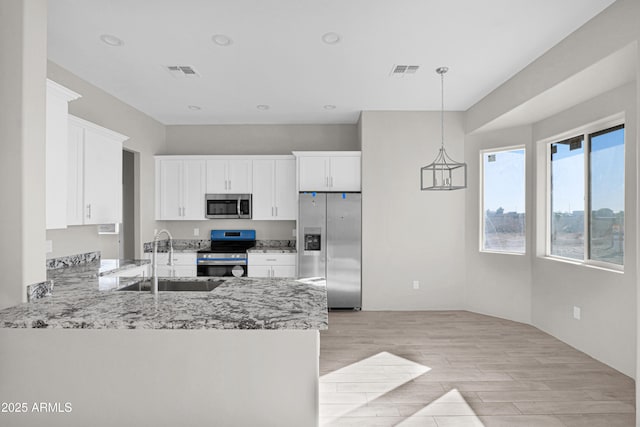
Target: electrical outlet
x,y
576,312
416,284
196,231
48,246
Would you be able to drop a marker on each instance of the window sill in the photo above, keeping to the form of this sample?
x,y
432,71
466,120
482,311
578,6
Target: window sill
x,y
594,265
487,251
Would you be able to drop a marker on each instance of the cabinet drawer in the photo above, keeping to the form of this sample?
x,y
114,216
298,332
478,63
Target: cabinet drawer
x,y
272,259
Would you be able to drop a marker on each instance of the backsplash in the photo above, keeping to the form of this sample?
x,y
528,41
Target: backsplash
x,y
179,245
197,244
71,260
275,243
39,290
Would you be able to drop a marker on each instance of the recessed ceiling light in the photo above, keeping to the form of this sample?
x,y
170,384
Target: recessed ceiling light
x,y
194,107
329,107
262,107
222,40
331,38
111,40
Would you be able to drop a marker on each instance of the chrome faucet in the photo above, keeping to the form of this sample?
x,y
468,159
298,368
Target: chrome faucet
x,y
154,261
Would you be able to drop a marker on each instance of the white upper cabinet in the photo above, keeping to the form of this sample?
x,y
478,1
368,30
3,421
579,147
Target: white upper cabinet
x,y
194,189
274,189
168,189
329,171
314,174
180,188
345,173
229,175
57,145
94,174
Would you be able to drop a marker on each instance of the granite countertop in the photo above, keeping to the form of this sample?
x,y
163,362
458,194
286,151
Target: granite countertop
x,y
84,299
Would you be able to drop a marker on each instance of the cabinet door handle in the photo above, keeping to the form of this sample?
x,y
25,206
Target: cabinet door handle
x,y
229,185
276,211
326,181
89,210
331,182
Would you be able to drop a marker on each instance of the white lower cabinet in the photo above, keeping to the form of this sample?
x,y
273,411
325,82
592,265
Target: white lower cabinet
x,y
272,265
184,264
142,271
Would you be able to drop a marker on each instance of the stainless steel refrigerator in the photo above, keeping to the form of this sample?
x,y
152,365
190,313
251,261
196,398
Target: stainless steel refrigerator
x,y
329,245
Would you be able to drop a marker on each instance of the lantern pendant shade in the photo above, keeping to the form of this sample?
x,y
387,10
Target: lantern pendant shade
x,y
443,173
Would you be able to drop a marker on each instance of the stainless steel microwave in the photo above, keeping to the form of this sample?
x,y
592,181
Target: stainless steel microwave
x,y
228,206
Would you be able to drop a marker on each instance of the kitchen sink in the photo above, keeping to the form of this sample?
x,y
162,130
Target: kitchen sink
x,y
175,285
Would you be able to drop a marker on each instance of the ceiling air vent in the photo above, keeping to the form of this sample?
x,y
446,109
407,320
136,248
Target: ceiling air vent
x,y
401,70
182,71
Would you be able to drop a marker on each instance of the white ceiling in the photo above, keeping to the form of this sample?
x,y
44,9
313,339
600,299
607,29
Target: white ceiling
x,y
277,56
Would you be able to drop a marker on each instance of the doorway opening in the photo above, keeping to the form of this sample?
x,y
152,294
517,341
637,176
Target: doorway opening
x,y
128,229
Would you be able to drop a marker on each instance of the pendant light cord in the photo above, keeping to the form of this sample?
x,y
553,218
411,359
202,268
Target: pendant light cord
x,y
442,108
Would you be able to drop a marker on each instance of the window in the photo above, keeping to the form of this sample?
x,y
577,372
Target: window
x,y
503,201
586,174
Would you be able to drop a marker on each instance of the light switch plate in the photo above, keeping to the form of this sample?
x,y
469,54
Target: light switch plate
x,y
416,284
576,312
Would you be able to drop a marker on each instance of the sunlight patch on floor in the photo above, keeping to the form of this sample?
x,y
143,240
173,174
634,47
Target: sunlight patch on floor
x,y
346,391
451,403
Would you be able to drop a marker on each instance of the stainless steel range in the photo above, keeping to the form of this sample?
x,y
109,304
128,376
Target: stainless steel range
x,y
228,253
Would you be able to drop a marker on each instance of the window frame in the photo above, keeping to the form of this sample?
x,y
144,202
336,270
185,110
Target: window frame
x,y
481,201
587,132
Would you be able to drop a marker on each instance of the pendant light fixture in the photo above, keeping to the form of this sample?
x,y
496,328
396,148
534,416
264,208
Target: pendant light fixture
x,y
443,173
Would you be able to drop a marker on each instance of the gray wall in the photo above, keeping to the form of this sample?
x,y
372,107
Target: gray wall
x,y
259,139
409,234
607,299
146,137
497,284
23,47
127,234
608,330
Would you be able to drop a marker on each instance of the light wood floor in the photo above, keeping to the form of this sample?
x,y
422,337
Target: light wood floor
x,y
456,368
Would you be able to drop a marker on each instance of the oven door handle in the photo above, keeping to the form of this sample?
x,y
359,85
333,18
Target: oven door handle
x,y
228,261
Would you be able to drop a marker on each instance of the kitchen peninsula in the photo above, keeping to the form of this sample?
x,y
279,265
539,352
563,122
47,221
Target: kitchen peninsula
x,y
245,353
